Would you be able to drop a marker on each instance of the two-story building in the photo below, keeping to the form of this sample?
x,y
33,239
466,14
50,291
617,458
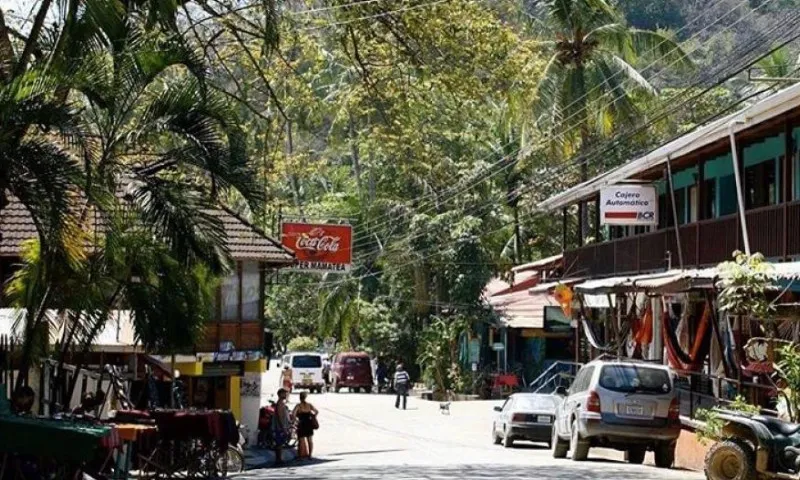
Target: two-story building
x,y
704,215
224,370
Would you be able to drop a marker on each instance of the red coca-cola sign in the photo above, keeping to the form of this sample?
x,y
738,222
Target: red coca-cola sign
x,y
322,247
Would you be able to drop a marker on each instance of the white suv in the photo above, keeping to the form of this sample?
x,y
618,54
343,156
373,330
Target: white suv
x,y
621,404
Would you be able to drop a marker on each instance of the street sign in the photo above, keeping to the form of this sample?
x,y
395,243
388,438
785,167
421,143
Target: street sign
x,y
319,247
498,346
629,205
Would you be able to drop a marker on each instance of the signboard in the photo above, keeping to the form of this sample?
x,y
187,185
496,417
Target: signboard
x,y
498,347
629,205
319,247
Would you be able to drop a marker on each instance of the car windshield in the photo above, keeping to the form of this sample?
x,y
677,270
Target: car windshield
x,y
356,361
536,403
634,378
307,361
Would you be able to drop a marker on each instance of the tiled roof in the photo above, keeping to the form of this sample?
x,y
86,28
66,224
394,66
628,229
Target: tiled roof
x,y
245,241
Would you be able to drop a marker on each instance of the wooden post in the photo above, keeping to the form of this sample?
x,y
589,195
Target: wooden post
x,y
580,224
701,191
674,211
564,229
597,238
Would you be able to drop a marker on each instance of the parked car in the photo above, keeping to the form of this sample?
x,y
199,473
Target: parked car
x,y
351,370
306,370
622,404
525,416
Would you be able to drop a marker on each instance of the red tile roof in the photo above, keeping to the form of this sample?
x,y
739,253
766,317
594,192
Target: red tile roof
x,y
245,241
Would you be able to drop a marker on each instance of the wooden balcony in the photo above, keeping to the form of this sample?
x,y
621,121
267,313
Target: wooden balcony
x,y
244,335
774,231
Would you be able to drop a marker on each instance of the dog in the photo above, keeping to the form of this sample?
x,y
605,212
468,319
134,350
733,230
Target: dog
x,y
444,408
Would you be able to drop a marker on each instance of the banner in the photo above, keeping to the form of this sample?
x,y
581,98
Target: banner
x,y
319,247
629,205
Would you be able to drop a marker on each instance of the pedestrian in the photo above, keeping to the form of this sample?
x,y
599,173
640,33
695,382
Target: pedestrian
x,y
282,424
401,384
380,372
306,416
286,378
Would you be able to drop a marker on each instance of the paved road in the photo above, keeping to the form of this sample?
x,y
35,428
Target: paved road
x,y
363,437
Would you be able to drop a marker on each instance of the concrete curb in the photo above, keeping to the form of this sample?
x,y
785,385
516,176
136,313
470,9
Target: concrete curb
x,y
258,458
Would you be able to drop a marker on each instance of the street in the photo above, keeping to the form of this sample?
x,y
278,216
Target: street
x,y
363,436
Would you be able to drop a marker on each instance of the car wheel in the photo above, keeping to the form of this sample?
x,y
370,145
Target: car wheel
x,y
580,448
730,460
559,447
495,437
665,454
508,441
635,455
336,387
368,389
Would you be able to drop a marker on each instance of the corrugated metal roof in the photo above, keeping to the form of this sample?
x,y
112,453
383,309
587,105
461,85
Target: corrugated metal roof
x,y
546,287
772,106
524,310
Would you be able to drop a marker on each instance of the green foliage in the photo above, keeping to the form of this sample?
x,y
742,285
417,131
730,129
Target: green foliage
x,y
744,283
438,353
712,426
302,344
789,370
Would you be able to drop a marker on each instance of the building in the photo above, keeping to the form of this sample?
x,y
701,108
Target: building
x,y
531,327
225,369
649,291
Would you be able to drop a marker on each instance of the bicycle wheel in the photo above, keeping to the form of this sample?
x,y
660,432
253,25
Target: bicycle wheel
x,y
231,462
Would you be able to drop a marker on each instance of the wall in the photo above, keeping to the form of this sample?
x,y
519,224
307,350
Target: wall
x,y
690,453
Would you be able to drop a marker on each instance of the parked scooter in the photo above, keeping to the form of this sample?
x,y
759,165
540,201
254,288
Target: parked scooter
x,y
754,446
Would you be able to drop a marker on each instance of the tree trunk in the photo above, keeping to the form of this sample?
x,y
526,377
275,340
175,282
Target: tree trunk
x,y
33,37
354,153
7,59
584,147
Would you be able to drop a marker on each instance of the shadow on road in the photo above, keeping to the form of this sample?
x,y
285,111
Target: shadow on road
x,y
365,452
562,471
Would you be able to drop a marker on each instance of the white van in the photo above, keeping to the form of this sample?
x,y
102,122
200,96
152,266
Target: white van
x,y
306,370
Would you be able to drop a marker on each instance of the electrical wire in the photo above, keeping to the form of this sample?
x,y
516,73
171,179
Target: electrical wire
x,y
535,213
674,108
453,191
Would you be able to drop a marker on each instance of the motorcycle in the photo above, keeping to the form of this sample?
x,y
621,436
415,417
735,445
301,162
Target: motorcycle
x,y
754,447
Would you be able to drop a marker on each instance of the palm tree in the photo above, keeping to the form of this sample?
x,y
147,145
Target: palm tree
x,y
590,79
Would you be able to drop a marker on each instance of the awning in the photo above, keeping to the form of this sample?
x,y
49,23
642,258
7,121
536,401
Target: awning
x,y
546,287
619,284
523,310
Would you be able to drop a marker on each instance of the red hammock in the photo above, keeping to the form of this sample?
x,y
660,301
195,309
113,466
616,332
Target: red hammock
x,y
680,360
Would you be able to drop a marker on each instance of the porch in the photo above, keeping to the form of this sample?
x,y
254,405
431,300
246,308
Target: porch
x,y
772,230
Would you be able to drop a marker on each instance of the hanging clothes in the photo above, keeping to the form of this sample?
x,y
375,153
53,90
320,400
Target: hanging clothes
x,y
678,358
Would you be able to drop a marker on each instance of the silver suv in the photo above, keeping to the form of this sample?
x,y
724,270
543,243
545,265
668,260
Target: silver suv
x,y
621,404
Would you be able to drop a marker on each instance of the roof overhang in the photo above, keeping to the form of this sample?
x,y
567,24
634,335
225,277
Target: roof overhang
x,y
768,108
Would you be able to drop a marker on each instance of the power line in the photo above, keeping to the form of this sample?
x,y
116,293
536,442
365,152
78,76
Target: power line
x,y
535,213
594,153
458,189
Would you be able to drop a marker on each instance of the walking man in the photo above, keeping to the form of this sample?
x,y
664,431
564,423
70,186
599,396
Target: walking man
x,y
401,384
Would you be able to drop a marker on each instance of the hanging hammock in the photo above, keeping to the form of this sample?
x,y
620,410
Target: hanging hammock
x,y
680,360
595,343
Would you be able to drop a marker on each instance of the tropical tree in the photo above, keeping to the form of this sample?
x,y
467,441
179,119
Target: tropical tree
x,y
590,80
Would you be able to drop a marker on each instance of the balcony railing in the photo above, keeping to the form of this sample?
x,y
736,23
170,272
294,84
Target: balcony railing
x,y
774,231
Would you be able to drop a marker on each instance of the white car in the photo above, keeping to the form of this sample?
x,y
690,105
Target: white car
x,y
623,404
307,370
525,416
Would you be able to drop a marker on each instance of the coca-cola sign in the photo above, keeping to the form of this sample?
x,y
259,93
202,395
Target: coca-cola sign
x,y
320,247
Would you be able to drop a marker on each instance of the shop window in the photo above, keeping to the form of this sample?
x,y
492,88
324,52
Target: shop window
x,y
663,211
760,185
251,284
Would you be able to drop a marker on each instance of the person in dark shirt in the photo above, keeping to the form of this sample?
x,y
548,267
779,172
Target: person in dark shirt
x,y
22,400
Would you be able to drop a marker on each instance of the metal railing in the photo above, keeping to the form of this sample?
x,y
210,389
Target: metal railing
x,y
704,391
559,370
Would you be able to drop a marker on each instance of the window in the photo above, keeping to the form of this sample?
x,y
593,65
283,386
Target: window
x,y
760,187
251,295
727,195
632,378
582,380
537,403
710,200
230,297
680,205
306,361
693,202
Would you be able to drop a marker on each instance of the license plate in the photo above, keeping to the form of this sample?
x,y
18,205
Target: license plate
x,y
543,419
634,410
306,379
